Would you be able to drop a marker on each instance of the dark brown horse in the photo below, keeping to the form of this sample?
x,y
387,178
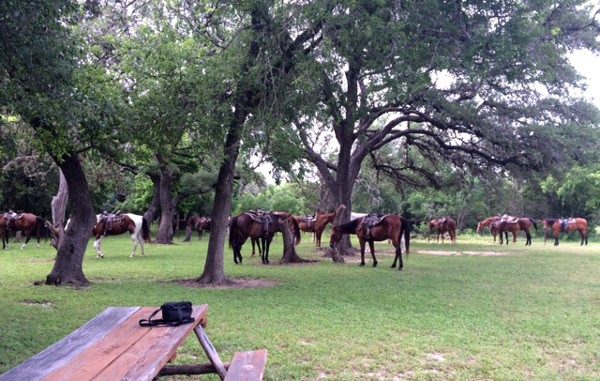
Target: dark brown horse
x,y
390,227
262,226
442,226
569,226
4,230
28,224
514,225
117,224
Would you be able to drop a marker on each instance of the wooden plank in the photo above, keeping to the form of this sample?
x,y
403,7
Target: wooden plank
x,y
247,366
111,346
91,362
145,359
61,353
211,352
170,370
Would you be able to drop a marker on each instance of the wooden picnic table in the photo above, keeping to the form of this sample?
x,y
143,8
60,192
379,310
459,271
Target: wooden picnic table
x,y
113,346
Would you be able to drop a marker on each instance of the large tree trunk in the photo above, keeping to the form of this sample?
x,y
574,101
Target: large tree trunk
x,y
167,207
152,213
59,202
289,247
68,267
214,272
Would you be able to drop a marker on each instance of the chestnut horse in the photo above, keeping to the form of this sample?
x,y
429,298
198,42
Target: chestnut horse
x,y
201,224
321,223
389,226
117,224
514,225
244,226
28,224
569,226
491,223
442,226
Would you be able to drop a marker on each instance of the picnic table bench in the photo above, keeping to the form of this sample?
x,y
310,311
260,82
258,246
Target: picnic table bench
x,y
113,346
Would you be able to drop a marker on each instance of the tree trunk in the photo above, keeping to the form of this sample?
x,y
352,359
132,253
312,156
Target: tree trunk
x,y
59,206
68,267
167,208
214,272
289,249
152,212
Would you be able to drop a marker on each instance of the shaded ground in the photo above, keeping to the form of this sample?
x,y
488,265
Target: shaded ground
x,y
233,283
450,253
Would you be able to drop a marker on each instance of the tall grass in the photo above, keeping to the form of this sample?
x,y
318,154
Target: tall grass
x,y
528,314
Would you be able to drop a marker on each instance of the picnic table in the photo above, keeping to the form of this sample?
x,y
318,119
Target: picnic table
x,y
113,346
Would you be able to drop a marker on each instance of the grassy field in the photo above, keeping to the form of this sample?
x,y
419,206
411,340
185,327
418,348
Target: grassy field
x,y
475,311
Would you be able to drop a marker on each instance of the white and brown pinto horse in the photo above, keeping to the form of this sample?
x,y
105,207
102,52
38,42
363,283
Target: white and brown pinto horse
x,y
116,224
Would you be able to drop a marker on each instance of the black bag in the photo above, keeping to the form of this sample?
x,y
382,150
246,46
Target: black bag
x,y
173,314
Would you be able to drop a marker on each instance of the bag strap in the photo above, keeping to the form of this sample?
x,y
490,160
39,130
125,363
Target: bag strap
x,y
149,322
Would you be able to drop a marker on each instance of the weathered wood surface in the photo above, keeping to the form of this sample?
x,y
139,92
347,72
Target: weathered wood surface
x,y
112,346
247,366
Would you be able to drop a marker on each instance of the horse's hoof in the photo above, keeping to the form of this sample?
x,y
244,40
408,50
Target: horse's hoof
x,y
374,264
362,265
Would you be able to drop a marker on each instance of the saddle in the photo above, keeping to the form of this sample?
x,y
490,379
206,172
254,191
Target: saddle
x,y
509,219
262,217
371,220
565,223
309,221
109,219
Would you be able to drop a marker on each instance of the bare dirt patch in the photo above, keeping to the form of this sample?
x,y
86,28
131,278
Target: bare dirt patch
x,y
231,283
451,253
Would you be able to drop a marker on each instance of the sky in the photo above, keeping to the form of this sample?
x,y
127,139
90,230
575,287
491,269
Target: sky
x,y
588,65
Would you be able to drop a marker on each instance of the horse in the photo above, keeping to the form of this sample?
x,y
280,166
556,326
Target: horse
x,y
201,224
115,224
390,227
261,225
320,224
569,226
27,223
4,230
442,226
490,222
514,225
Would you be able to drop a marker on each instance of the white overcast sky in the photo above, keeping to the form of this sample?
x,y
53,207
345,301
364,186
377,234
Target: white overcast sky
x,y
588,65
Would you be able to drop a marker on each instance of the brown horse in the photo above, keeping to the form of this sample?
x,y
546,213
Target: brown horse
x,y
261,226
4,229
321,223
201,224
28,224
389,226
508,224
442,226
117,224
491,223
569,226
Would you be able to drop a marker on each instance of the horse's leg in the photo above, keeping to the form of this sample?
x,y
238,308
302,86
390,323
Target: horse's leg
x,y
515,233
266,249
253,248
98,247
27,238
318,234
362,252
372,248
398,256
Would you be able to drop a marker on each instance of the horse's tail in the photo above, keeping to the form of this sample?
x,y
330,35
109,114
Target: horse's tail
x,y
534,223
406,225
40,227
296,226
145,230
233,232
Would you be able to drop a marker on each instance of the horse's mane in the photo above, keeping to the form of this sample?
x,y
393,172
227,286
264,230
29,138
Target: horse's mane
x,y
350,226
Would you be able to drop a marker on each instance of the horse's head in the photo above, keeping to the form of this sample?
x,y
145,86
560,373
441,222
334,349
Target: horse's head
x,y
336,236
479,228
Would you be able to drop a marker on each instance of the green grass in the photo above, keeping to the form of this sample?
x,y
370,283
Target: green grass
x,y
529,314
